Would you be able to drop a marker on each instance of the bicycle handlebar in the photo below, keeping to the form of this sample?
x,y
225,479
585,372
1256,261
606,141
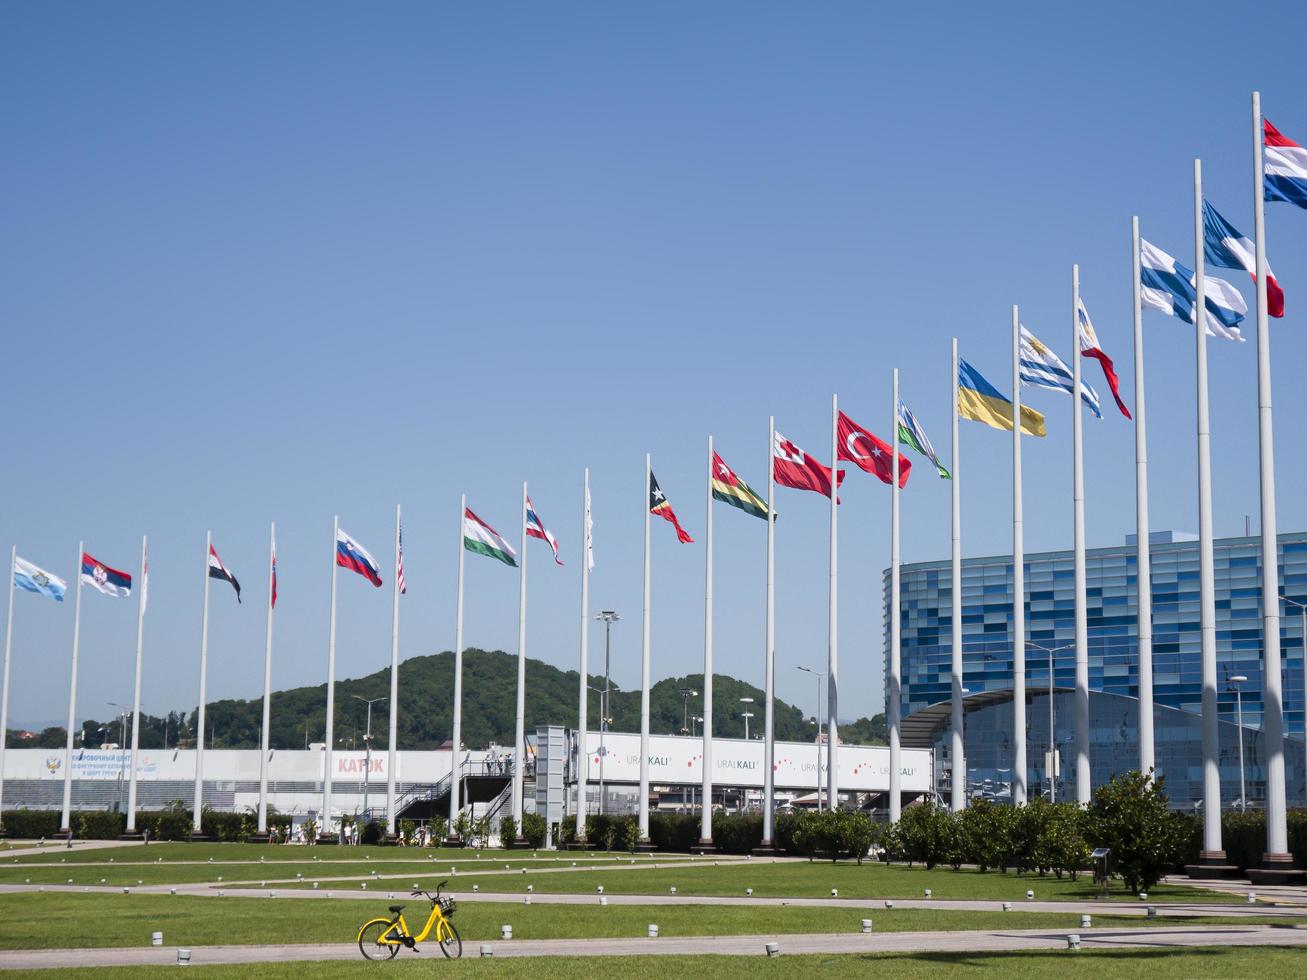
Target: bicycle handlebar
x,y
430,897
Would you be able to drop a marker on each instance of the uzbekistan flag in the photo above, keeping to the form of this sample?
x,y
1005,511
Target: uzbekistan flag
x,y
535,528
1089,347
660,505
219,571
480,537
1167,286
104,579
1285,166
1227,249
730,489
352,555
912,434
980,401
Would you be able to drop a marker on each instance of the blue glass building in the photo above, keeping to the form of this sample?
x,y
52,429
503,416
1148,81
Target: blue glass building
x,y
927,610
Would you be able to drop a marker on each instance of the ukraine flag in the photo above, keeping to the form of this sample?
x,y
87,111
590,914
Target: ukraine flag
x,y
980,401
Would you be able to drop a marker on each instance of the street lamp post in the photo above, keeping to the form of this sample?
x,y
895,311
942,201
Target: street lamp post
x,y
746,715
1302,608
1052,743
818,675
686,693
1238,680
122,740
607,617
367,752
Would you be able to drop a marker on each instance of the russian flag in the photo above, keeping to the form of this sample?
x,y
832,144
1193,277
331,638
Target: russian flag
x,y
104,579
352,555
1285,167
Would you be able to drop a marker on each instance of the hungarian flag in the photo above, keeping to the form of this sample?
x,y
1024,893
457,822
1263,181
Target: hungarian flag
x,y
481,538
659,505
730,489
219,571
857,445
792,467
1089,347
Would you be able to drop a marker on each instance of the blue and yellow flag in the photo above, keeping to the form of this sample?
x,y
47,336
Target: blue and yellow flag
x,y
980,401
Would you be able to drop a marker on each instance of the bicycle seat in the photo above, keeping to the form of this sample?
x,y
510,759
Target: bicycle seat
x,y
396,909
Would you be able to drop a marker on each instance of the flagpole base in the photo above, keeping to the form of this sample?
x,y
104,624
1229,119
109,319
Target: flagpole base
x,y
1276,869
328,840
1212,864
262,837
705,846
131,835
198,837
577,845
453,841
645,846
766,849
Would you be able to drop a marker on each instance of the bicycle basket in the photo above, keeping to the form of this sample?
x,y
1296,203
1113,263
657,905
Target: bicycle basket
x,y
448,906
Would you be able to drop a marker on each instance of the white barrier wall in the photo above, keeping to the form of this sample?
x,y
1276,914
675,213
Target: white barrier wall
x,y
679,759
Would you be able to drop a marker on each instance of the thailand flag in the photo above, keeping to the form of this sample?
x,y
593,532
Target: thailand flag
x,y
536,529
352,555
104,579
1167,286
1285,166
1225,247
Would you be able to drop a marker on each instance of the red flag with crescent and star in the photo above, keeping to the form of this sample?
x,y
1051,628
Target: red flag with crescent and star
x,y
867,452
792,467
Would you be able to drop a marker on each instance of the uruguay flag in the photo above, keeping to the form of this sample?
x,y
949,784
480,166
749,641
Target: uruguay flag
x,y
1167,286
352,555
1225,247
1285,166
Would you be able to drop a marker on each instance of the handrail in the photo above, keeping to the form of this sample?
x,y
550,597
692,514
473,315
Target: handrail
x,y
468,767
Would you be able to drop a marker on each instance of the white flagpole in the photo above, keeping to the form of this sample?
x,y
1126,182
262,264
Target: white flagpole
x,y
392,754
4,698
769,679
895,624
833,650
265,744
198,802
1081,612
1277,839
643,799
324,831
519,729
65,820
583,756
705,813
457,736
959,795
136,700
1143,569
1212,852
1018,582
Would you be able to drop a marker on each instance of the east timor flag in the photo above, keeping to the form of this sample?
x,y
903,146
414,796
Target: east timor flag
x,y
659,505
730,489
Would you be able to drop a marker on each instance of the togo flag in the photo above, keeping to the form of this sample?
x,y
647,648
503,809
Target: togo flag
x,y
33,579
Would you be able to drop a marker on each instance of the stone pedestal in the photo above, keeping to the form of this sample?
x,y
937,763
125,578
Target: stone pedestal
x,y
645,847
577,845
452,841
1212,864
767,850
1277,869
328,840
199,837
132,835
703,847
259,838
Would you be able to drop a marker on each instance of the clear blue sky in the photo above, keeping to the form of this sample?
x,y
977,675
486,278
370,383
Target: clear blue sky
x,y
276,262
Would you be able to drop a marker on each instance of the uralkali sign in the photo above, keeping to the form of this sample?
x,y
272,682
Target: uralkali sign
x,y
679,760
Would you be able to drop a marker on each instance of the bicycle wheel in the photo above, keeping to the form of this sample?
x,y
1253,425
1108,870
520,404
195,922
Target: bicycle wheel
x,y
370,940
450,942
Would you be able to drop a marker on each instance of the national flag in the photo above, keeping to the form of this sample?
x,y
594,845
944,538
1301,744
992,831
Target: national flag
x,y
878,456
104,579
1167,286
272,588
34,579
1226,248
219,571
145,579
480,537
399,562
1089,347
1285,165
911,434
730,489
352,555
535,528
980,401
659,504
589,534
1042,368
792,467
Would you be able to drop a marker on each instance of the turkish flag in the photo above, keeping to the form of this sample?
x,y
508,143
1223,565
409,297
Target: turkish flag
x,y
870,453
792,467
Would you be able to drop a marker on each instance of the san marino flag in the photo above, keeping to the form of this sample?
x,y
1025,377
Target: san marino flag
x,y
33,579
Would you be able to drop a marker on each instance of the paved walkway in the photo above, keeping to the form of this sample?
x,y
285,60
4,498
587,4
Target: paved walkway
x,y
902,942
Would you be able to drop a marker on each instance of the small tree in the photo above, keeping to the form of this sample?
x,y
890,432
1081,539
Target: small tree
x,y
1130,816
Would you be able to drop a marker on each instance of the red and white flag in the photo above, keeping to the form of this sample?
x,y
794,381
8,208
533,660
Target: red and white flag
x,y
870,453
1089,348
792,467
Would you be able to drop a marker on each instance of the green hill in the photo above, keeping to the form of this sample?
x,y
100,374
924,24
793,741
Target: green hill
x,y
489,684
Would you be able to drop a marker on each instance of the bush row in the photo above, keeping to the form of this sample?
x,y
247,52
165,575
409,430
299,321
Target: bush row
x,y
171,823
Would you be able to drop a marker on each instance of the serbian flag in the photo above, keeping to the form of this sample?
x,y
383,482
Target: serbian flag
x,y
659,504
1089,347
1285,166
792,467
352,555
535,528
1224,246
104,579
219,571
875,456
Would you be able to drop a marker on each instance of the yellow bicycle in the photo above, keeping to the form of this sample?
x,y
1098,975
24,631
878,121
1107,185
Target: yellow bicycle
x,y
381,939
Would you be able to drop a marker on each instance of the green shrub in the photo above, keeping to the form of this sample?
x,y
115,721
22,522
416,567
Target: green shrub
x,y
507,831
31,824
371,833
100,825
534,830
1130,816
220,825
737,833
628,834
439,827
173,822
674,831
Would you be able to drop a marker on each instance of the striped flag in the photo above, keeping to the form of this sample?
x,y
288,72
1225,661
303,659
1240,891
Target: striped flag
x,y
980,401
911,434
535,528
399,563
1042,368
1285,167
352,555
219,571
1225,247
480,537
1167,286
730,489
1090,347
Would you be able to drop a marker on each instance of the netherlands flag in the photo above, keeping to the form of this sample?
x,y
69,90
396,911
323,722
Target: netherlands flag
x,y
1285,167
104,579
352,555
536,529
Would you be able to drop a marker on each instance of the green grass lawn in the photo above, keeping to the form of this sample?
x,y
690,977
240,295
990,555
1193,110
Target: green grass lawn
x,y
802,879
1153,964
71,920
